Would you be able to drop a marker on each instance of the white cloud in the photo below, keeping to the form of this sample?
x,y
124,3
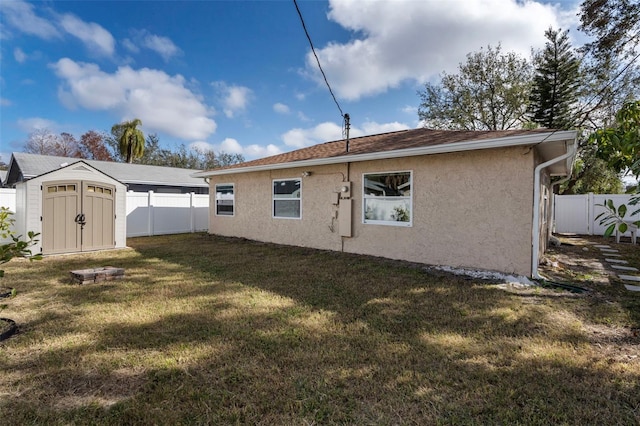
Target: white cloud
x,y
130,45
303,117
91,34
21,17
412,41
5,102
328,131
232,146
408,109
161,45
29,125
19,55
235,99
373,128
281,108
323,132
161,101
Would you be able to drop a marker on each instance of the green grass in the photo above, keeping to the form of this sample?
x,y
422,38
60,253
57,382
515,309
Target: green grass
x,y
210,330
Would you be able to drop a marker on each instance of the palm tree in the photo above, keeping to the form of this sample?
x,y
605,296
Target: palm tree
x,y
130,139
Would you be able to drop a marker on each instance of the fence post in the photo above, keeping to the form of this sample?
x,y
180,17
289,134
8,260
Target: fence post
x,y
192,212
150,218
591,208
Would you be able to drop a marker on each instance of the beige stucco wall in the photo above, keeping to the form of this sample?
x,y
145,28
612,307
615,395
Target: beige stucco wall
x,y
470,209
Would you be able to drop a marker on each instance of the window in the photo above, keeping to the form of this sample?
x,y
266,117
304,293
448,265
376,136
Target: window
x,y
287,196
387,199
225,199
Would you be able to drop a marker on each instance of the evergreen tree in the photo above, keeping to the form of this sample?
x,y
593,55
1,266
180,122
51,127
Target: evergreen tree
x,y
556,83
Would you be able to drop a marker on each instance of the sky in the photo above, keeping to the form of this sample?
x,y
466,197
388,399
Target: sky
x,y
240,76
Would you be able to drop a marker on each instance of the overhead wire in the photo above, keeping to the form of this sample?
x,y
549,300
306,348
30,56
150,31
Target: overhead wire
x,y
345,117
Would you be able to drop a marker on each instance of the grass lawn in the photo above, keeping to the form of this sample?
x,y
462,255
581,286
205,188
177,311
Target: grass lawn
x,y
210,330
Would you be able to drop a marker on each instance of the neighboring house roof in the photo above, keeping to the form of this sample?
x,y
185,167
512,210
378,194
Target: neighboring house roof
x,y
25,166
404,143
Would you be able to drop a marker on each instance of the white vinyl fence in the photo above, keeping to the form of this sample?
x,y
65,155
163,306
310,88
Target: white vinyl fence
x,y
150,213
576,214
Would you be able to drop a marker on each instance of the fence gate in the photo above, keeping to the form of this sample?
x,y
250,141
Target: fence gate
x,y
77,216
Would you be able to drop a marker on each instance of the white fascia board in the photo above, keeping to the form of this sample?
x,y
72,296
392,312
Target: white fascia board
x,y
520,140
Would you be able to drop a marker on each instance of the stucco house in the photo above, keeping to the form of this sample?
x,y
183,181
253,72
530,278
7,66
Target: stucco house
x,y
475,199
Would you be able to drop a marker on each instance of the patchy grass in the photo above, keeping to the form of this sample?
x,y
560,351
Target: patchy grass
x,y
223,331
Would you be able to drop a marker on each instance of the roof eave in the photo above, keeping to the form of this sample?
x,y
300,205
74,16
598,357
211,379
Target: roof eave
x,y
511,141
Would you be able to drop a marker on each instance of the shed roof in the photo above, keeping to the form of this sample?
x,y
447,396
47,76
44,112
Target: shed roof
x,y
404,143
32,165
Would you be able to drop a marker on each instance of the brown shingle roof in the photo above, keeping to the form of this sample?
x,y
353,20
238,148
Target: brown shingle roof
x,y
404,139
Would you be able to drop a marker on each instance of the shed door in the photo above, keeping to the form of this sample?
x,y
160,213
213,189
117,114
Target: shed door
x,y
98,207
77,216
61,204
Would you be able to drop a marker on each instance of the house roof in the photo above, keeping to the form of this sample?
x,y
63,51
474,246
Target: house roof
x,y
32,165
405,143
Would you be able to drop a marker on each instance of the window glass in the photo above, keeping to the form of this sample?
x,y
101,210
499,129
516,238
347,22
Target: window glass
x,y
387,198
225,200
287,197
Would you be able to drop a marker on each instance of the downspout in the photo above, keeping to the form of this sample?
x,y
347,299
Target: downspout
x,y
535,232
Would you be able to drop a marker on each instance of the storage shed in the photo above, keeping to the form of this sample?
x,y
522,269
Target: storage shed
x,y
75,208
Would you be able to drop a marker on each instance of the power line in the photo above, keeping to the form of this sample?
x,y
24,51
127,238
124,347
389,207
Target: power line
x,y
316,56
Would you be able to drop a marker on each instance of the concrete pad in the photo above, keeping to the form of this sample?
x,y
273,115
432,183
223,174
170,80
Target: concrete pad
x,y
632,287
615,260
629,278
624,268
601,246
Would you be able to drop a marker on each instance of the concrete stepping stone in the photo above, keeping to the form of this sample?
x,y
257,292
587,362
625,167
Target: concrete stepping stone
x,y
624,268
615,260
609,250
601,246
629,278
613,255
632,287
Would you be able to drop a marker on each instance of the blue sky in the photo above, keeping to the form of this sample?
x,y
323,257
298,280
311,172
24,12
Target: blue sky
x,y
238,76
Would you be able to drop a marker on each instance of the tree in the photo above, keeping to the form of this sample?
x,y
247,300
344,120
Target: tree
x,y
556,83
225,159
619,145
614,25
66,145
92,146
41,141
592,174
611,59
490,92
130,139
152,150
44,142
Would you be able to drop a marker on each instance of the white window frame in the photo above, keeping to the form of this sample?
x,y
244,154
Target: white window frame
x,y
274,198
366,197
233,199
